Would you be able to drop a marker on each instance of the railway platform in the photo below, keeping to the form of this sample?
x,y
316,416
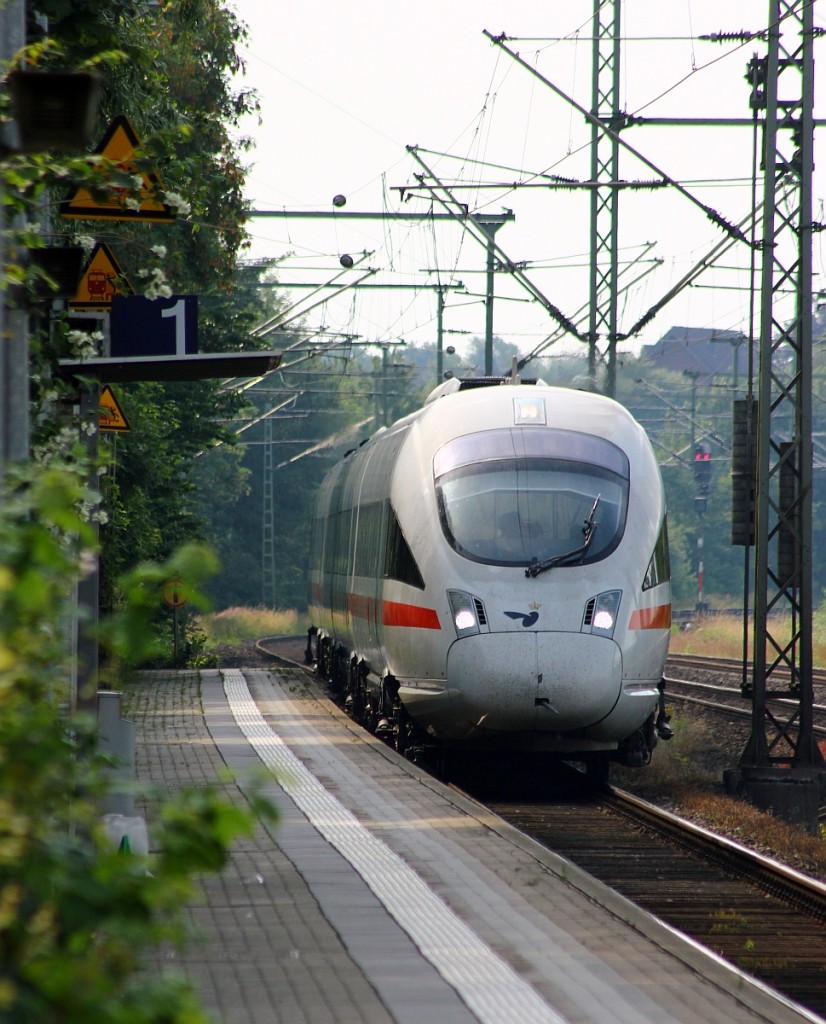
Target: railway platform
x,y
384,897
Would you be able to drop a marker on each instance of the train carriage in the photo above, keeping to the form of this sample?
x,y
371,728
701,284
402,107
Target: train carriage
x,y
491,573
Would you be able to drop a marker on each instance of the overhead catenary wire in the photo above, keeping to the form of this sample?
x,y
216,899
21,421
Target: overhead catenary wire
x,y
591,118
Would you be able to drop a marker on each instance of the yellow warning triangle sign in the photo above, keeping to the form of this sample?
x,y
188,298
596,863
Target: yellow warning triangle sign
x,y
111,414
102,278
119,145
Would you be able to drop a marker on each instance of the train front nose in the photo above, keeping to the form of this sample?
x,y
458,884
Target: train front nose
x,y
549,682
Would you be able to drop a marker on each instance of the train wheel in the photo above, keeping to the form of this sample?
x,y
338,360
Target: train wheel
x,y
404,728
324,665
338,672
370,716
309,656
355,692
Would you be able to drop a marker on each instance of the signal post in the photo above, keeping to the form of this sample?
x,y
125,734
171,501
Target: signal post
x,y
702,486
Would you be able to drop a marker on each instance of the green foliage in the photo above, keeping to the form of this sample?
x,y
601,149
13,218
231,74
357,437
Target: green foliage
x,y
169,68
128,634
37,556
77,918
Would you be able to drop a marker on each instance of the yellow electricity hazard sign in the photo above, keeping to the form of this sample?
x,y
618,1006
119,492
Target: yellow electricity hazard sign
x,y
120,203
111,415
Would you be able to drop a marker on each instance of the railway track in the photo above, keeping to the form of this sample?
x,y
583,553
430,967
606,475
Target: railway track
x,y
762,916
731,668
724,696
759,915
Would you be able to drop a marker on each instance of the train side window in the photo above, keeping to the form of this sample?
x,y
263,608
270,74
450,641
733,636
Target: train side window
x,y
316,543
340,530
659,568
368,543
399,563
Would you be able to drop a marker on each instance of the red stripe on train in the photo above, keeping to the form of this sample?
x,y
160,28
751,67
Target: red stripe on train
x,y
651,618
395,613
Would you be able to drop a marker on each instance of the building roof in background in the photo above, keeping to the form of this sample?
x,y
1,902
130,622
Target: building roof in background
x,y
699,350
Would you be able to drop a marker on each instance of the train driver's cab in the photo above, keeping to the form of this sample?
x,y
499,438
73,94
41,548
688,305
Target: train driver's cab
x,y
517,496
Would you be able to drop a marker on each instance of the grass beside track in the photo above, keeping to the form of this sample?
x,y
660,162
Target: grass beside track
x,y
721,636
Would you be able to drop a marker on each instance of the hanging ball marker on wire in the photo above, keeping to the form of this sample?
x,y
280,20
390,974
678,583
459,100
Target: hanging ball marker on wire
x,y
346,261
339,200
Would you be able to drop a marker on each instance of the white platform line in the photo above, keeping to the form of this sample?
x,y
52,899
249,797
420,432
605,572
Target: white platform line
x,y
483,980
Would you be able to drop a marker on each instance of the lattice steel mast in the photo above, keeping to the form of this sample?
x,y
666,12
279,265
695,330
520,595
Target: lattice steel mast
x,y
782,664
604,193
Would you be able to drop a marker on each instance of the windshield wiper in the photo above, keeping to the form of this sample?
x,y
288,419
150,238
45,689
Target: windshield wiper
x,y
588,530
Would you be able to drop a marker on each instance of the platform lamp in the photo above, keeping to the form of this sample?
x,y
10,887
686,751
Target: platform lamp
x,y
62,265
52,110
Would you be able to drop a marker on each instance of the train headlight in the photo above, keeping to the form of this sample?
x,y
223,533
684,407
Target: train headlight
x,y
529,411
463,609
601,613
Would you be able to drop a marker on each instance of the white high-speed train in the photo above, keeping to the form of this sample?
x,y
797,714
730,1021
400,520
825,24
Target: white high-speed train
x,y
491,573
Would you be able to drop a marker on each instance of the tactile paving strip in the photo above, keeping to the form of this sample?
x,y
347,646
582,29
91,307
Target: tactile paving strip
x,y
486,984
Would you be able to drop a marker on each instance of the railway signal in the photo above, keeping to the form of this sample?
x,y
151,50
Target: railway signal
x,y
702,476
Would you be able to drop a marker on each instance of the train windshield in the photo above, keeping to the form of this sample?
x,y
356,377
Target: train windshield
x,y
517,496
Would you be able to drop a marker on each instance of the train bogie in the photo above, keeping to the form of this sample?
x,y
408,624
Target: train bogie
x,y
492,572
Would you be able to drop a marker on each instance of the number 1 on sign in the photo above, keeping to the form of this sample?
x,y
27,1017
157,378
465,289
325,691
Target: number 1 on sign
x,y
179,312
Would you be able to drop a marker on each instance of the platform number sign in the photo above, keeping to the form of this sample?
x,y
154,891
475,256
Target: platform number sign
x,y
154,327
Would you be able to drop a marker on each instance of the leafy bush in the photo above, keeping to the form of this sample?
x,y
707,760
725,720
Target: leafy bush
x,y
78,919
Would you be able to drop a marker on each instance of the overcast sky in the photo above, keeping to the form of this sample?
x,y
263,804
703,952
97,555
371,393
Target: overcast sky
x,y
345,89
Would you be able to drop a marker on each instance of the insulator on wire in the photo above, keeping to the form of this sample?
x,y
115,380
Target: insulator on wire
x,y
742,36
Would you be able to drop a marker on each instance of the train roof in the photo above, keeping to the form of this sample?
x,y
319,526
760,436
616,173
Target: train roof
x,y
454,384
570,408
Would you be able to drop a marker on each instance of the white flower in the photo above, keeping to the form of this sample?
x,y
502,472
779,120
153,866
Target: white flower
x,y
160,251
157,287
178,203
84,345
85,242
87,563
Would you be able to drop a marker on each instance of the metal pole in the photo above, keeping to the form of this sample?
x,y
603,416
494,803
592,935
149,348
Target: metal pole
x,y
440,309
489,291
384,385
700,598
14,344
489,226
